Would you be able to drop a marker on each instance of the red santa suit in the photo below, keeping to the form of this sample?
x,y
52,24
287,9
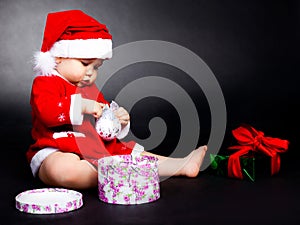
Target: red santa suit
x,y
58,124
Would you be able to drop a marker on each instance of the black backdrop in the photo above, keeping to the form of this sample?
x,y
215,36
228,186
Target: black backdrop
x,y
252,49
250,46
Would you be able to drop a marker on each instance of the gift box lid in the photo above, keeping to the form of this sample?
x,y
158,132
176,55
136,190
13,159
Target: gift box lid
x,y
48,201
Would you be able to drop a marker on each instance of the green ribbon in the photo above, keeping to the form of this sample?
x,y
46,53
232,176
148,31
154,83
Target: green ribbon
x,y
219,165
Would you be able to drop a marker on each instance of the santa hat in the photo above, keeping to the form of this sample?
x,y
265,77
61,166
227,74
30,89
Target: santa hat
x,y
72,34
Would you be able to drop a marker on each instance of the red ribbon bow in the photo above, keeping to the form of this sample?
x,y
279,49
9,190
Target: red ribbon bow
x,y
251,139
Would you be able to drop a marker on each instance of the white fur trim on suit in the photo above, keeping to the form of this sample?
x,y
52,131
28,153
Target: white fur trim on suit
x,y
39,157
137,149
76,116
64,134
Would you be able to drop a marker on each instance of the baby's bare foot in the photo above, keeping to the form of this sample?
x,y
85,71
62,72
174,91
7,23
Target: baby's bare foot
x,y
194,162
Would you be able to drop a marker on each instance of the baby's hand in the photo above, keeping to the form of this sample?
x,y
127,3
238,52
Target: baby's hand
x,y
92,107
122,115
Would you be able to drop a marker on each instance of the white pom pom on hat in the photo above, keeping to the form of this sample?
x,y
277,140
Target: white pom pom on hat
x,y
44,63
71,34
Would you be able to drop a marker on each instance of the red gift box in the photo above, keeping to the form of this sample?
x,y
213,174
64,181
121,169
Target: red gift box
x,y
249,139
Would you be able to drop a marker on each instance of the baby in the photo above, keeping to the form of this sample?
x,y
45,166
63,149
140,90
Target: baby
x,y
66,103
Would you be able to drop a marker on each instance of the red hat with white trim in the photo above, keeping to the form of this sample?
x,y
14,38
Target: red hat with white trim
x,y
72,34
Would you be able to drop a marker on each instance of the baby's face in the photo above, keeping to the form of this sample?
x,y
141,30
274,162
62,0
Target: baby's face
x,y
80,72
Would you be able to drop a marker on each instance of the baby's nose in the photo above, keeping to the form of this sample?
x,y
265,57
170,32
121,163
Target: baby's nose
x,y
89,71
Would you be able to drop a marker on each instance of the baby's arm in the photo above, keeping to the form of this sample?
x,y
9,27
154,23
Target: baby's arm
x,y
123,116
91,107
50,104
124,119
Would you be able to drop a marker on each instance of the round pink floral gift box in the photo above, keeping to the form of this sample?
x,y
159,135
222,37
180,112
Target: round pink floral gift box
x,y
48,201
128,179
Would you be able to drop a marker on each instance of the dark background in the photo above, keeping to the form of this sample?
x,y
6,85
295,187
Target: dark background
x,y
251,47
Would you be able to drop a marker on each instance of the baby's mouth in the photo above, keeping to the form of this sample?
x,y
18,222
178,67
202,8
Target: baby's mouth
x,y
85,82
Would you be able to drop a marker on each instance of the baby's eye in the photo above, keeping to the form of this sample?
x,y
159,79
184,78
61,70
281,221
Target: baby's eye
x,y
84,63
96,67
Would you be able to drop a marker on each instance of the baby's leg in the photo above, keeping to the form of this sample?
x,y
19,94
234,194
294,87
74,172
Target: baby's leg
x,y
188,166
67,170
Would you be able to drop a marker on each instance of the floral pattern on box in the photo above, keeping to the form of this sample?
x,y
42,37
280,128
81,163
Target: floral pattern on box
x,y
48,201
128,179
